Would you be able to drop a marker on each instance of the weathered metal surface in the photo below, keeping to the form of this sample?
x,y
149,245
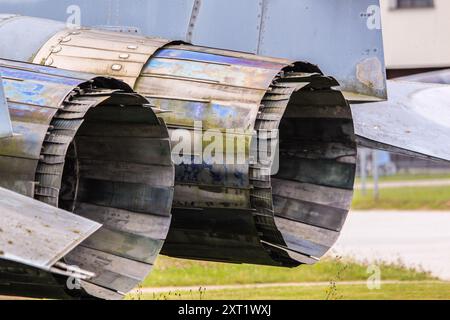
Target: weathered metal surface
x,y
36,234
228,90
20,280
114,193
34,97
222,211
99,52
320,31
415,121
224,90
79,141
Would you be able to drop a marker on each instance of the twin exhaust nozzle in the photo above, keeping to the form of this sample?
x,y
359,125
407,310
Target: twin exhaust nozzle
x,y
92,146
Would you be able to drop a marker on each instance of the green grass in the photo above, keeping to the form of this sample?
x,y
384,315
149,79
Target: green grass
x,y
411,198
409,177
328,275
173,272
406,291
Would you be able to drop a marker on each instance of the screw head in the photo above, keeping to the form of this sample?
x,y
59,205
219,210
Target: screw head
x,y
116,67
56,49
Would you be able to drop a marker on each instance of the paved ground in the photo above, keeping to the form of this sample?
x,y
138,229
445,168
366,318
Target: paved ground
x,y
417,239
404,184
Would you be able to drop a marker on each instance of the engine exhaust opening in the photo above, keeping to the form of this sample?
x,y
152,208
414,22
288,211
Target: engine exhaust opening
x,y
117,170
312,187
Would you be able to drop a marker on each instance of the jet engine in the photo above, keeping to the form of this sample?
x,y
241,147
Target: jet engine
x,y
91,146
264,148
281,211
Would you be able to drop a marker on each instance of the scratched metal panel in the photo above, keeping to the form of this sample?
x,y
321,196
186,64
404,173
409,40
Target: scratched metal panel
x,y
416,119
37,234
344,37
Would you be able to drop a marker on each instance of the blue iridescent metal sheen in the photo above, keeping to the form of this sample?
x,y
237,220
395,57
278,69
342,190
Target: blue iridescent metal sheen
x,y
54,157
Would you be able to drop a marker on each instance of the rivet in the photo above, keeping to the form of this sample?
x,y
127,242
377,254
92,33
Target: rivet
x,y
66,39
116,67
75,32
49,61
56,49
132,47
124,56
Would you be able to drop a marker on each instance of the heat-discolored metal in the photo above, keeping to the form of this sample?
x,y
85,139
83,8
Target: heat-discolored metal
x,y
91,146
241,213
227,211
99,52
